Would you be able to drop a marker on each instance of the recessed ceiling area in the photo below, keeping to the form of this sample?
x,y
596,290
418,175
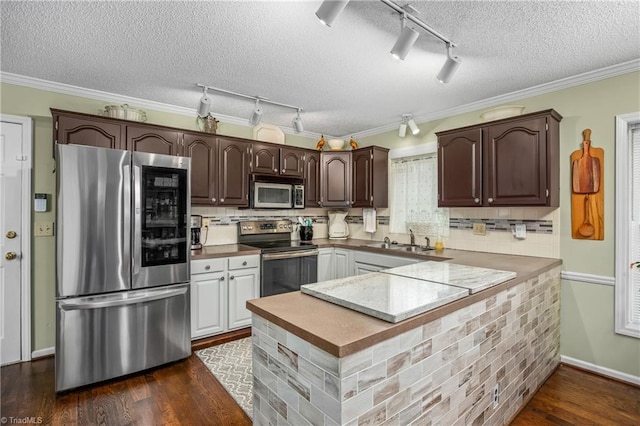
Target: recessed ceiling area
x,y
343,77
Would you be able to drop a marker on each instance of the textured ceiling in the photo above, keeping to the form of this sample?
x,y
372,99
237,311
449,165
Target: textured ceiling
x,y
343,77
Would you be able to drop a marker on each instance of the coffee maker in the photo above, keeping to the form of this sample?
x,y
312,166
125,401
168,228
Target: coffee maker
x,y
196,224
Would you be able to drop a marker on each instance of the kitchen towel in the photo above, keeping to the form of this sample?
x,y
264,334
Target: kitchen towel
x,y
369,220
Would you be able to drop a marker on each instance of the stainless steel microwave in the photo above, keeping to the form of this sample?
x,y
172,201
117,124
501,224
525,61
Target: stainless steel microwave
x,y
269,195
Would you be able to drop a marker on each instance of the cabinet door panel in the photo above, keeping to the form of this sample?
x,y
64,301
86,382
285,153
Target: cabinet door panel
x,y
517,163
207,304
243,285
291,162
85,131
362,178
312,179
233,173
202,151
460,169
152,140
336,179
343,262
325,265
266,159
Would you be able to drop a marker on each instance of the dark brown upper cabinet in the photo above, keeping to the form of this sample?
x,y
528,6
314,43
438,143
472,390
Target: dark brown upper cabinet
x,y
144,138
335,176
370,177
84,129
233,172
202,151
312,179
509,162
272,160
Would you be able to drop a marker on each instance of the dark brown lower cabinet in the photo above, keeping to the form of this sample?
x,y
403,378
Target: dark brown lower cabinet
x,y
508,162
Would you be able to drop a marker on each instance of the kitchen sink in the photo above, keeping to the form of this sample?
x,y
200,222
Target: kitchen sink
x,y
379,245
400,247
416,249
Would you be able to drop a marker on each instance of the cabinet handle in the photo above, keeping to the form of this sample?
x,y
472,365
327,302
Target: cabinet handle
x,y
206,268
222,200
476,200
231,278
244,263
221,278
275,170
282,171
213,199
490,200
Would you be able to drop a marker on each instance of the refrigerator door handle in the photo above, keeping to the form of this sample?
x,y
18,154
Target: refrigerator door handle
x,y
137,218
126,213
70,305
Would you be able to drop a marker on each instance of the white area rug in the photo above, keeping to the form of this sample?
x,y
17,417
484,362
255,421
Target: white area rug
x,y
230,363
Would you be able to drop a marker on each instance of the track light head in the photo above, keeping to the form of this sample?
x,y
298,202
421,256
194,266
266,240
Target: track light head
x,y
297,123
256,115
450,66
205,104
405,42
329,10
407,119
402,131
413,126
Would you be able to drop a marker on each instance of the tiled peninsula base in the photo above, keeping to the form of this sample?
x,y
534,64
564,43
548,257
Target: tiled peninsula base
x,y
441,373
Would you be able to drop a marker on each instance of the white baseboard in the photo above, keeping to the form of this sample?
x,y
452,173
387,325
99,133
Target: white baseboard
x,y
43,352
603,371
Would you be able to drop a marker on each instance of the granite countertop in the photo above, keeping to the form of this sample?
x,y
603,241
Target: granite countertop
x,y
342,331
391,298
226,250
396,294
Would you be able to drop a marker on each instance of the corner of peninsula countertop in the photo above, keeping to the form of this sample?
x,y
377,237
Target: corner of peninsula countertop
x,y
341,331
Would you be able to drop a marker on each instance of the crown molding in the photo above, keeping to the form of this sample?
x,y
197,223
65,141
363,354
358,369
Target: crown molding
x,y
67,89
553,86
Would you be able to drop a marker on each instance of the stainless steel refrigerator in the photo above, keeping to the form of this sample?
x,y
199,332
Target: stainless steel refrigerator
x,y
122,263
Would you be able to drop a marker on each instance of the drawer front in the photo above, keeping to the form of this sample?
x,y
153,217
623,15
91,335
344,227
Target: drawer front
x,y
241,262
203,266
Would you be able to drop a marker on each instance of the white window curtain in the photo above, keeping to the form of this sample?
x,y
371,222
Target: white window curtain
x,y
414,197
627,282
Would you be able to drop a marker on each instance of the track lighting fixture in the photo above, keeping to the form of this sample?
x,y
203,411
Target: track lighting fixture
x,y
256,115
407,120
405,42
297,123
450,66
205,104
329,11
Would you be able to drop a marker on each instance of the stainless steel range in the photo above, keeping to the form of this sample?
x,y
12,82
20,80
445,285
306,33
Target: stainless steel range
x,y
286,264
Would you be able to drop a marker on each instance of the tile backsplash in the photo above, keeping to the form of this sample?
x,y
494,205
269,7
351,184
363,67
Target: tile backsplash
x,y
542,225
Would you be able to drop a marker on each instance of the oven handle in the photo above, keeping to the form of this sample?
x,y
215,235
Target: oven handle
x,y
290,254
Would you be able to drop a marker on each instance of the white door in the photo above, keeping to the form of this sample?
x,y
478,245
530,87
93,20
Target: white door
x,y
15,240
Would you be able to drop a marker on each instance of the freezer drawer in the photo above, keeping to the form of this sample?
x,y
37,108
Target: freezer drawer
x,y
102,337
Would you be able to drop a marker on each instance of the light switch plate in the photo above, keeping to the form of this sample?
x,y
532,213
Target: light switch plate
x,y
479,228
520,231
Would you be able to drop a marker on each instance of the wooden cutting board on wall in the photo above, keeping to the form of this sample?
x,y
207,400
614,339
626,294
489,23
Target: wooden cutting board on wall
x,y
587,191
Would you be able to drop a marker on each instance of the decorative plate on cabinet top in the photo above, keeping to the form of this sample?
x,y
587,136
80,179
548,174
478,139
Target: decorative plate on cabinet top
x,y
268,133
501,112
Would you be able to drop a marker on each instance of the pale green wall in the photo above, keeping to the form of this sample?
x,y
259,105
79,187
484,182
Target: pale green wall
x,y
34,103
587,309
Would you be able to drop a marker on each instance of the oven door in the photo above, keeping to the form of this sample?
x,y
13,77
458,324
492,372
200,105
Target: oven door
x,y
283,272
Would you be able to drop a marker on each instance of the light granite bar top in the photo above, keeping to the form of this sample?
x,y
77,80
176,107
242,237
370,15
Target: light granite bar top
x,y
341,331
391,298
472,278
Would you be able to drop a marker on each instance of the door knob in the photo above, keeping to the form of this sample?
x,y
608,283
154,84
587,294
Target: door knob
x,y
476,200
10,255
11,235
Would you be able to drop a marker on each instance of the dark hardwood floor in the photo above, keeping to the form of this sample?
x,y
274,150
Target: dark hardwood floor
x,y
576,397
186,393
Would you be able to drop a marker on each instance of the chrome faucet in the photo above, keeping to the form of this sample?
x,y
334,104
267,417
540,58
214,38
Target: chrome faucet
x,y
428,242
413,237
387,240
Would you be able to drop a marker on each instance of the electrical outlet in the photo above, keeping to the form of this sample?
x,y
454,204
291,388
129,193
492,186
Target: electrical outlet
x,y
479,228
205,223
496,395
43,229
